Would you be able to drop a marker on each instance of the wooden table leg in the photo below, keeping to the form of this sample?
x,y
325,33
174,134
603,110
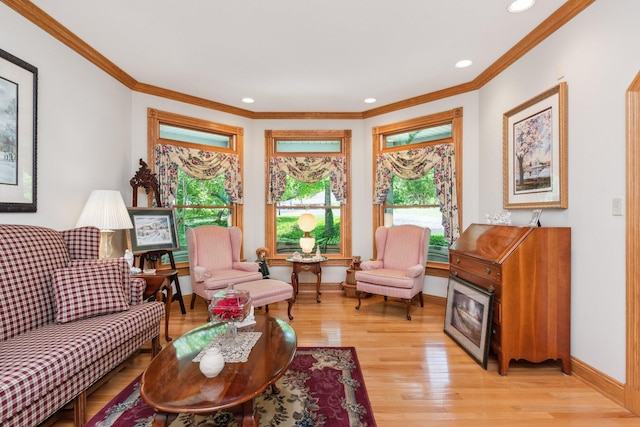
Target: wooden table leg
x,y
249,415
294,283
318,281
167,311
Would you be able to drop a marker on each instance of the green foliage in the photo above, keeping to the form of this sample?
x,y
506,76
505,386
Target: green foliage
x,y
287,230
421,191
437,240
298,190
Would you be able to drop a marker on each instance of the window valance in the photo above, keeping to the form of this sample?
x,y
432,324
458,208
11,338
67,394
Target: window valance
x,y
200,164
307,169
415,163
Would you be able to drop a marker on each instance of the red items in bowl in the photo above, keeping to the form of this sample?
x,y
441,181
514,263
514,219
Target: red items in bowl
x,y
230,305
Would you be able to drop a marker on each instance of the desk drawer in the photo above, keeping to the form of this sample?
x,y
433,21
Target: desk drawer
x,y
486,270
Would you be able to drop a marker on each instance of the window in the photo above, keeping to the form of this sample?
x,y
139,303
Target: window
x,y
415,164
308,171
199,191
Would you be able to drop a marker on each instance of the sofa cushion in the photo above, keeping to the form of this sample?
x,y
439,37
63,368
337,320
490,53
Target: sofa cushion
x,y
38,362
88,291
28,257
82,242
133,285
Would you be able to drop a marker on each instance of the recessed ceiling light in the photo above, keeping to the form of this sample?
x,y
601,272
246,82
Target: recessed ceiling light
x,y
248,100
370,100
518,6
464,63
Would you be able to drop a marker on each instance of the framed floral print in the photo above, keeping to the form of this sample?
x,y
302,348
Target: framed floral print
x,y
535,152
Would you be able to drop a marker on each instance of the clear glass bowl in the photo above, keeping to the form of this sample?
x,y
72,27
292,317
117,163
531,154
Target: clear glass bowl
x,y
230,305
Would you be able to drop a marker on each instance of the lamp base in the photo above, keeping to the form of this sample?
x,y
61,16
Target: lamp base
x,y
106,248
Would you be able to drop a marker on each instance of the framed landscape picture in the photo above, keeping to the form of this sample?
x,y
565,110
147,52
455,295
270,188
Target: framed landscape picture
x,y
468,318
153,229
535,152
18,125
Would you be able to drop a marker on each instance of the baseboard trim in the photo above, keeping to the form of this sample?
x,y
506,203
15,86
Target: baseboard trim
x,y
432,299
603,383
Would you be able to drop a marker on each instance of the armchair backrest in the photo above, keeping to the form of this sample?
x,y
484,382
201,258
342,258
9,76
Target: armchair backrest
x,y
213,247
402,246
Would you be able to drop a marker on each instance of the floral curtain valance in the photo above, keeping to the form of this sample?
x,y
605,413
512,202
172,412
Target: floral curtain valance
x,y
200,164
306,169
415,163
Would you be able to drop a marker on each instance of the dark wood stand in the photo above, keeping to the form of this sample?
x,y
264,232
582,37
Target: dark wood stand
x,y
312,266
529,269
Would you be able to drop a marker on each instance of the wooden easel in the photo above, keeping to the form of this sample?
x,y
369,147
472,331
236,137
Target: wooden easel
x,y
146,179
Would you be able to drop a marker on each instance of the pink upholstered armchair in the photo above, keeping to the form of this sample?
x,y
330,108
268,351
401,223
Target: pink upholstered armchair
x,y
214,260
399,268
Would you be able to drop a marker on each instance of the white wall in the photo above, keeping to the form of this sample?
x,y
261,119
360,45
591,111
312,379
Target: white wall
x,y
84,120
92,131
598,51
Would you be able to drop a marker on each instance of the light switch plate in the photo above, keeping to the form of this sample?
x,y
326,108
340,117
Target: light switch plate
x,y
616,206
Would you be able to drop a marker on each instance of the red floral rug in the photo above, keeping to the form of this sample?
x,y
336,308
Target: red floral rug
x,y
322,387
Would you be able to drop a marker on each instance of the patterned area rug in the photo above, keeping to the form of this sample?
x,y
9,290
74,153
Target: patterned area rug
x,y
322,387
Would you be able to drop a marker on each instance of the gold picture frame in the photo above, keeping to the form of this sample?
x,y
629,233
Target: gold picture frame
x,y
535,152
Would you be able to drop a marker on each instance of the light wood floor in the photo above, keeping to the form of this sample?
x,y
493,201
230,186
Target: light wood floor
x,y
416,375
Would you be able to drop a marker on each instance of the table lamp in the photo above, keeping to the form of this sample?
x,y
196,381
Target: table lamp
x,y
307,222
106,210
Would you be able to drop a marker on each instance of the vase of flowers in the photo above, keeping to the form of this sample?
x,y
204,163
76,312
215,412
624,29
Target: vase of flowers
x,y
230,306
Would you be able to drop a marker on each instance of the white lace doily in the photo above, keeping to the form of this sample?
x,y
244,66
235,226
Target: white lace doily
x,y
238,352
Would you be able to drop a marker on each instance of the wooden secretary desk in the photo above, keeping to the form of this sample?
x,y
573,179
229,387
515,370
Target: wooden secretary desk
x,y
529,270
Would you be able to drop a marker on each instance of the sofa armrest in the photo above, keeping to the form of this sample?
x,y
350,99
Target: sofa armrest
x,y
138,285
246,266
371,265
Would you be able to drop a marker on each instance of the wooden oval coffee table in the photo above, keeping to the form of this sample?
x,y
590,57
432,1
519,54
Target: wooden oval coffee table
x,y
174,384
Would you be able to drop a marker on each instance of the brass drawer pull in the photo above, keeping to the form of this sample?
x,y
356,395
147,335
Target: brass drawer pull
x,y
457,260
455,273
487,270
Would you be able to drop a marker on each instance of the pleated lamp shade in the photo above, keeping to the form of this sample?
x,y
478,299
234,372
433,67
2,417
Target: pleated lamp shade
x,y
105,210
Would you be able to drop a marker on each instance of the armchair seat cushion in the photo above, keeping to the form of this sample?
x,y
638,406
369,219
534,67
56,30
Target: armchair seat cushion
x,y
386,277
221,278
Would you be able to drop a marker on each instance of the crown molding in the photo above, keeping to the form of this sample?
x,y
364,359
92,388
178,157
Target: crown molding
x,y
556,20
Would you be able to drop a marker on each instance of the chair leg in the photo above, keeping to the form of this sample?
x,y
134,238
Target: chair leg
x,y
421,299
358,294
409,309
290,302
193,300
266,308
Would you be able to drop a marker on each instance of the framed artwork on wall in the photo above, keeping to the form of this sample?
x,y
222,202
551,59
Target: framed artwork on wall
x,y
18,131
535,152
468,317
153,229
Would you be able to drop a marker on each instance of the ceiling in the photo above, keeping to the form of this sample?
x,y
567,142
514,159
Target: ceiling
x,y
299,55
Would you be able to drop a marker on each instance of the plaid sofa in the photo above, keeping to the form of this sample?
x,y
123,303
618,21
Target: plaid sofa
x,y
66,320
